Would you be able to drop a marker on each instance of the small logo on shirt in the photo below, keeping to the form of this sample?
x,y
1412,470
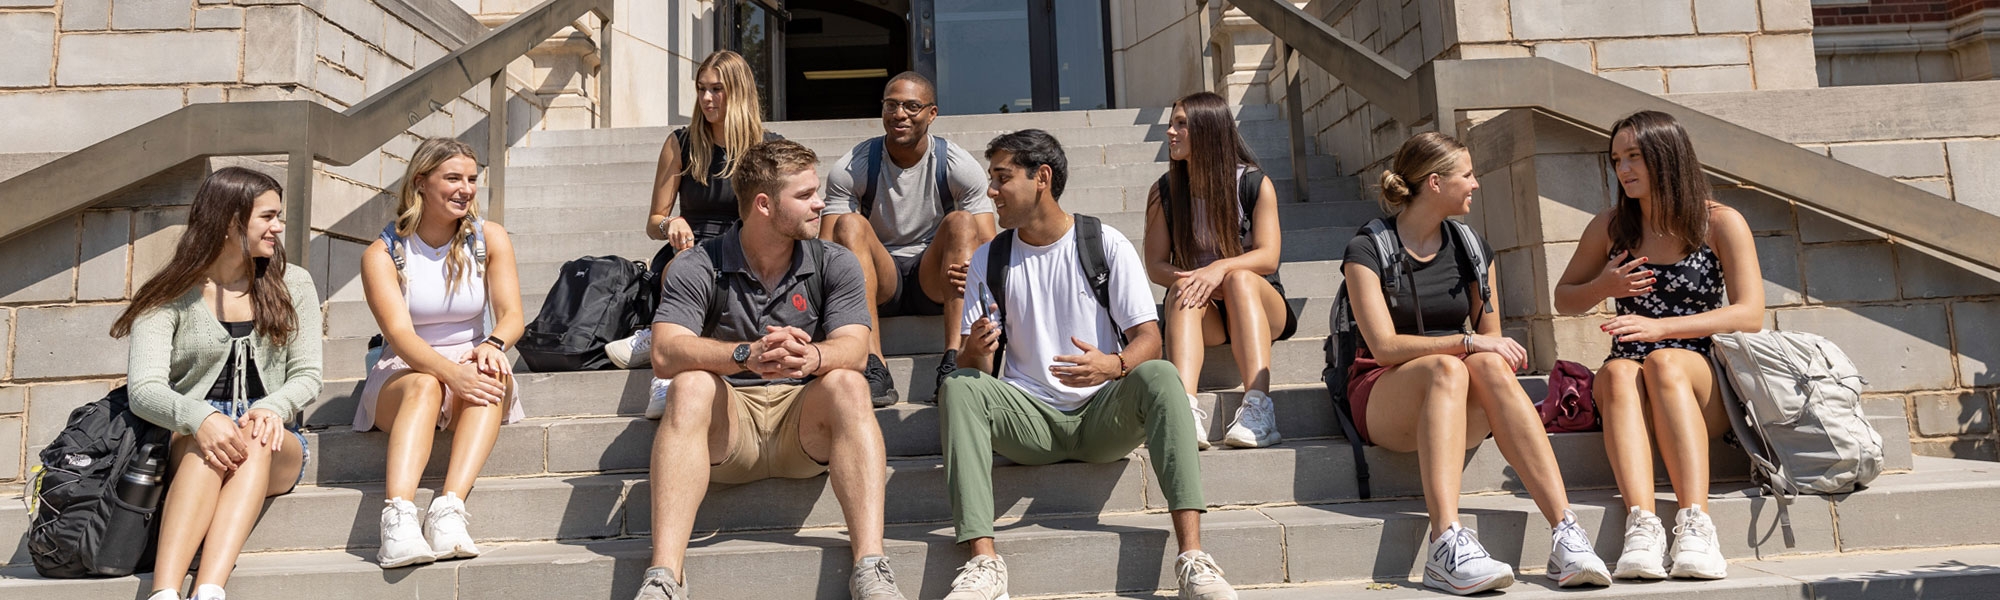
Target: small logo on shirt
x,y
799,302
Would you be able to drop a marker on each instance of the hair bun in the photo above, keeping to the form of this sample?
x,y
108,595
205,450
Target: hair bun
x,y
1394,188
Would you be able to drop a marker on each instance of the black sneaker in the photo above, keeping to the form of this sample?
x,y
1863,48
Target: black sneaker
x,y
946,366
881,385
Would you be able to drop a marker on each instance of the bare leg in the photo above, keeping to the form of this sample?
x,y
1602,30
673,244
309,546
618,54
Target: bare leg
x,y
1188,332
1628,441
1681,389
1254,310
853,231
1187,529
693,436
983,547
1420,406
239,504
408,410
185,513
837,426
475,428
1517,428
957,238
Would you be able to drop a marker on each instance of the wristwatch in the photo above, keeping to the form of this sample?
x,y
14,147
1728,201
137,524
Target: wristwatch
x,y
742,356
496,342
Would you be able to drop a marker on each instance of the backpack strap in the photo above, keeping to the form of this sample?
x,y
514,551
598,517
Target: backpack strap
x,y
1474,255
867,199
941,169
816,293
1248,188
713,316
1096,268
398,247
998,254
1388,250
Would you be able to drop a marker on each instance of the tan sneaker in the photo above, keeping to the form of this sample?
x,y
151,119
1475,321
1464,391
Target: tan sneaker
x,y
660,585
1200,578
872,580
982,578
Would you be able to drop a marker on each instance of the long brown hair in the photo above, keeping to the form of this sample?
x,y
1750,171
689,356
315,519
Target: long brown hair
x,y
1215,150
742,118
1423,155
222,205
1680,190
410,207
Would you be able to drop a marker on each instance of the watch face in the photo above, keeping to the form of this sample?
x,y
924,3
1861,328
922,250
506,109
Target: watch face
x,y
742,353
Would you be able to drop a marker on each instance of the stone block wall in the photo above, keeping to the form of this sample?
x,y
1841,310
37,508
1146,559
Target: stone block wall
x,y
1918,325
1872,42
1157,50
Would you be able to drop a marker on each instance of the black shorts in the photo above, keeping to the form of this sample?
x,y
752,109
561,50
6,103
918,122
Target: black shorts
x,y
1291,317
909,298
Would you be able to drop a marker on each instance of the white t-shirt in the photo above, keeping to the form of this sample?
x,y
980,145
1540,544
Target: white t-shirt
x,y
1048,301
443,319
906,214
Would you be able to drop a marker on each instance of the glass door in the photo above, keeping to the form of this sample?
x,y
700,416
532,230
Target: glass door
x,y
1001,56
756,30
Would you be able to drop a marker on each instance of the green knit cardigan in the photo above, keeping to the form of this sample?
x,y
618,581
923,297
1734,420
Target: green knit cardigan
x,y
178,350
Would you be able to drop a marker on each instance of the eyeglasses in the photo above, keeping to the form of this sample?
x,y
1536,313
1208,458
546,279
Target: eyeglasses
x,y
912,106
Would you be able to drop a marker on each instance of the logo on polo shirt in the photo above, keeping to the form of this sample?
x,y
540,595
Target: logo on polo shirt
x,y
799,302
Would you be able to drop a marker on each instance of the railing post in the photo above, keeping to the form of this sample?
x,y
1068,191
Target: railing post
x,y
1206,36
604,70
496,150
299,206
1294,120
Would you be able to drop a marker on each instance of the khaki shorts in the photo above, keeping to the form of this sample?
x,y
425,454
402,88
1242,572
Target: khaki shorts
x,y
766,441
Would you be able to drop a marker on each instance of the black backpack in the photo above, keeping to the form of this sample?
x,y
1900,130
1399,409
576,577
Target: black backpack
x,y
595,299
941,171
1345,340
78,527
1248,187
1089,252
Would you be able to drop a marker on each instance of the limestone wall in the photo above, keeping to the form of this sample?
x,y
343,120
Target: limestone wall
x,y
1157,53
1919,326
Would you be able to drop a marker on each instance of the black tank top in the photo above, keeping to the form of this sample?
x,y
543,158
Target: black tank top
x,y
253,386
708,206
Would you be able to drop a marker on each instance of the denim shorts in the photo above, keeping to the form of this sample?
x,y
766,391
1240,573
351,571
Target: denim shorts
x,y
228,409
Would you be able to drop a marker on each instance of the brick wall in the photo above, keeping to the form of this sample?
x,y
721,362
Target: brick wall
x,y
1875,42
1878,12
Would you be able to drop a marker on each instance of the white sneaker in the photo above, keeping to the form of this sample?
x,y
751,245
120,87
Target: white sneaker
x,y
1457,564
656,406
1572,562
631,352
209,591
1697,554
1200,578
1200,423
402,538
982,578
444,526
1256,423
1645,555
165,595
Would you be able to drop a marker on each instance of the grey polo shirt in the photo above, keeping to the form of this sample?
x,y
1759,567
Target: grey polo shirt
x,y
747,307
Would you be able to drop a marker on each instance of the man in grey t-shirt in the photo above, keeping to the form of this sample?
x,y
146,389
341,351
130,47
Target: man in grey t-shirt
x,y
912,210
763,332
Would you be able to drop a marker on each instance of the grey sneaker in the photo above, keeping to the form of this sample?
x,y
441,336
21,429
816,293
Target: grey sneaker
x,y
982,578
873,581
660,585
881,384
1200,578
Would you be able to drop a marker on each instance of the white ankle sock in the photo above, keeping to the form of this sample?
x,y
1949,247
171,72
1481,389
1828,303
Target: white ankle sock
x,y
209,591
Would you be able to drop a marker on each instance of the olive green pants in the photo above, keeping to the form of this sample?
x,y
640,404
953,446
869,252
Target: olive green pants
x,y
983,414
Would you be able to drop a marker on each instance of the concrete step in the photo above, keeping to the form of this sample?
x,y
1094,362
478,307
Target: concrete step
x,y
1131,552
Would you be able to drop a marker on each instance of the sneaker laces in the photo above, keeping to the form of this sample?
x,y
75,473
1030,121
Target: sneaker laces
x,y
874,579
1569,535
642,342
455,511
1199,568
981,572
1257,412
397,521
1645,531
1462,548
1698,528
1200,416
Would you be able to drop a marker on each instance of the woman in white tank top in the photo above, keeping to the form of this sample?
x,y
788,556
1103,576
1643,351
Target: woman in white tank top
x,y
441,367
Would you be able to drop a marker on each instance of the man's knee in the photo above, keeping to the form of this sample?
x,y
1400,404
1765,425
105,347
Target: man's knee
x,y
1159,377
849,391
959,228
853,231
691,400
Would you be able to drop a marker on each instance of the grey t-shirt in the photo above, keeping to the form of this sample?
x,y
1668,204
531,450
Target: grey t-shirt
x,y
747,307
906,213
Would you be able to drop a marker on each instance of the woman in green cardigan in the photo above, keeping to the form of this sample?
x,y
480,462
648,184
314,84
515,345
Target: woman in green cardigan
x,y
225,351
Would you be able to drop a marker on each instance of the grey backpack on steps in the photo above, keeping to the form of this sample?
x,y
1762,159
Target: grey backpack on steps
x,y
1794,403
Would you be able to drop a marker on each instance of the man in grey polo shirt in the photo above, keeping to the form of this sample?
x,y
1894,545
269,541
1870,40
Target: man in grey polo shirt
x,y
764,332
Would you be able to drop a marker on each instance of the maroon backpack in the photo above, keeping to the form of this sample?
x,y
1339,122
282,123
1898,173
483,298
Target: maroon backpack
x,y
1569,408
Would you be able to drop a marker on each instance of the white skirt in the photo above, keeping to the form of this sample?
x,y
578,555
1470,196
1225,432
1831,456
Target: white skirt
x,y
390,364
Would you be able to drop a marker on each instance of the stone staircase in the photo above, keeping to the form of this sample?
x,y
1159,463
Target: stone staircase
x,y
562,505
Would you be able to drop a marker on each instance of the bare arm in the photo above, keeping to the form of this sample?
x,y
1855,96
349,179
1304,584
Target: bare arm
x,y
1377,327
503,285
384,290
1160,268
666,186
677,349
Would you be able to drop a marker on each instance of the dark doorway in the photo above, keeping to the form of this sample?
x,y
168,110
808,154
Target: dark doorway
x,y
839,54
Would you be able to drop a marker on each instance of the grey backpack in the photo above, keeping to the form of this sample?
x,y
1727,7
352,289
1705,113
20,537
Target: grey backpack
x,y
1794,403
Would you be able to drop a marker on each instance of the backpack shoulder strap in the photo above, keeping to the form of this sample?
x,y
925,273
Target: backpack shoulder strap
x,y
478,242
1474,255
941,168
998,253
396,245
713,316
1389,251
1248,188
816,293
867,199
1096,268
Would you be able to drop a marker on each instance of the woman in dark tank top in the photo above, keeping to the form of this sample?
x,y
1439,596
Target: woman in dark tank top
x,y
1657,385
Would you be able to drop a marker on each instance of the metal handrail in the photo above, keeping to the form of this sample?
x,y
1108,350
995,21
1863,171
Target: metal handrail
x,y
301,130
1440,89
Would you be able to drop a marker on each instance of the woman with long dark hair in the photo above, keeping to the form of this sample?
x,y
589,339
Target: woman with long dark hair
x,y
1434,375
1657,385
1212,240
225,351
443,367
693,175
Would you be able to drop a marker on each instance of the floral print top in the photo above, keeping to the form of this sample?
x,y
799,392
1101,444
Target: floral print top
x,y
1689,287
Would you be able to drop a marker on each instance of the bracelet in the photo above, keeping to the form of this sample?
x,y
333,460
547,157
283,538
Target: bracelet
x,y
1122,371
819,356
662,225
1467,343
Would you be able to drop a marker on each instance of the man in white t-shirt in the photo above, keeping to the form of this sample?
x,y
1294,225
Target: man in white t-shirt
x,y
912,210
1069,389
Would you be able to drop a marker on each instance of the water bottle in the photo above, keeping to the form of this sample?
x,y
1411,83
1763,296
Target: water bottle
x,y
140,486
